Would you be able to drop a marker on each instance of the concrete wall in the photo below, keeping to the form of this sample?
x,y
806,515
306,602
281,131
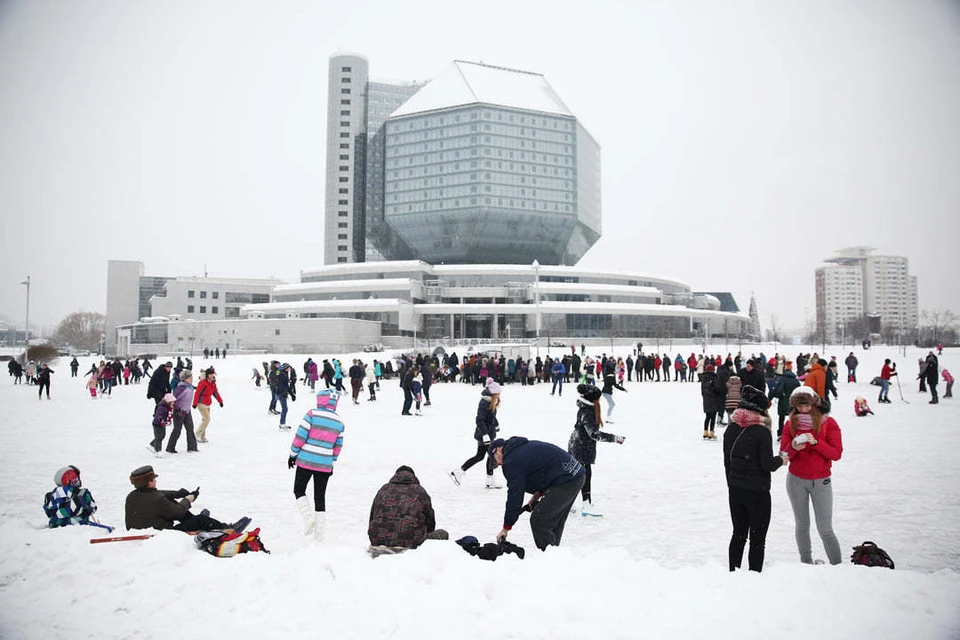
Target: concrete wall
x,y
123,297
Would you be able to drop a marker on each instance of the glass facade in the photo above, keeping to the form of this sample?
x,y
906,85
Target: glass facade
x,y
150,286
489,184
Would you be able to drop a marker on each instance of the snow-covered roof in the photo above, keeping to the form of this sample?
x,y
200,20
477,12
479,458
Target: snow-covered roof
x,y
464,83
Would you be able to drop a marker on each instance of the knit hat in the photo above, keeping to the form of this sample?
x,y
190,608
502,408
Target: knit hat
x,y
804,395
140,476
169,397
753,399
186,373
168,364
709,367
327,399
589,392
492,386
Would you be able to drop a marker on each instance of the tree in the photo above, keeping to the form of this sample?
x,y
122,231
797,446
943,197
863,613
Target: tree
x,y
81,329
936,323
775,329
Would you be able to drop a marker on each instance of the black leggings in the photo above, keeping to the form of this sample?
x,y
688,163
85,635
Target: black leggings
x,y
320,479
750,513
45,383
709,420
585,490
480,455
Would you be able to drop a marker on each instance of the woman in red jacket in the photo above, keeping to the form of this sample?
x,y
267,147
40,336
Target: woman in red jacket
x,y
812,441
203,398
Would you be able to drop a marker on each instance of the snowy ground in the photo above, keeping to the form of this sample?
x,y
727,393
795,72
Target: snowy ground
x,y
654,566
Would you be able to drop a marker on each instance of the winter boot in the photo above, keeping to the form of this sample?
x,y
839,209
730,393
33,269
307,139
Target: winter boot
x,y
320,528
713,436
706,434
456,476
589,511
492,483
306,512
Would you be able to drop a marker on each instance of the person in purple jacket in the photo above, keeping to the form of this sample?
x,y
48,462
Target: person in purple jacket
x,y
183,413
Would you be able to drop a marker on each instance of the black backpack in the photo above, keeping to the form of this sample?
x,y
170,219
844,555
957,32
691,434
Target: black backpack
x,y
871,555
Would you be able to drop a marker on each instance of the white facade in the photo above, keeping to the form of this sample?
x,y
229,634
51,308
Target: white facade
x,y
123,300
210,298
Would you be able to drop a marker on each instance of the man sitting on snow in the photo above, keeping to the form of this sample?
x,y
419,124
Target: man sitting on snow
x,y
148,507
401,516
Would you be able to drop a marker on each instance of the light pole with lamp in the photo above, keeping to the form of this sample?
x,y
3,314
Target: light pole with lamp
x,y
26,323
536,294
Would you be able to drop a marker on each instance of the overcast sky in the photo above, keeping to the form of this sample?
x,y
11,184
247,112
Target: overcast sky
x,y
742,142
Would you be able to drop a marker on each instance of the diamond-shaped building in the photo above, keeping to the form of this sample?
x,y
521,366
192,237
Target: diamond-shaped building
x,y
487,165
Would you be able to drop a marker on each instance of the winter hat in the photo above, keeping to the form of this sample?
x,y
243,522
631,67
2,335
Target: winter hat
x,y
327,399
168,364
804,395
492,386
186,373
67,477
140,476
209,371
169,397
753,399
709,367
588,392
496,444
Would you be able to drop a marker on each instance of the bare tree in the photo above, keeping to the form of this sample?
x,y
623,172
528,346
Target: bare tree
x,y
775,330
81,329
936,322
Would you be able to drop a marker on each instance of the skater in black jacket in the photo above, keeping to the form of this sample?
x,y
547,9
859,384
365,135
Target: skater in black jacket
x,y
583,440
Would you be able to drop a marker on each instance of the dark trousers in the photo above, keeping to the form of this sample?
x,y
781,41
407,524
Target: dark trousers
x,y
199,522
320,480
407,402
550,515
480,455
709,421
426,392
158,435
782,418
585,489
44,383
750,514
356,386
182,420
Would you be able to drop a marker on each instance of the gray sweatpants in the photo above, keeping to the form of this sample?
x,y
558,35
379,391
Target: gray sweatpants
x,y
801,492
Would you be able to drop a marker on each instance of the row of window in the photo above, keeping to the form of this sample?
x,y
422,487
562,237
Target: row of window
x,y
501,116
203,309
450,133
505,147
203,294
415,181
504,203
546,195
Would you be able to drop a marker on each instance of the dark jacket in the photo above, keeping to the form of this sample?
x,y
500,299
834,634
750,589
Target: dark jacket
x,y
43,375
153,508
710,391
159,384
931,370
785,386
753,378
586,434
609,382
487,422
283,384
402,513
530,466
748,457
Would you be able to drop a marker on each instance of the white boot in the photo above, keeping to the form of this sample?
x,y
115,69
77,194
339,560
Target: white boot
x,y
456,476
320,528
492,483
306,512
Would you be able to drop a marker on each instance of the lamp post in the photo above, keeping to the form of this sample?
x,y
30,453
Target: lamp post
x,y
536,294
843,335
26,322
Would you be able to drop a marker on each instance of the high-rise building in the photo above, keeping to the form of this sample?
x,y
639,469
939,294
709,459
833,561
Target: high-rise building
x,y
482,164
859,290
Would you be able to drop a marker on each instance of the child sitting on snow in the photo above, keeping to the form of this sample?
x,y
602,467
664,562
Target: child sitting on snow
x,y
861,407
68,503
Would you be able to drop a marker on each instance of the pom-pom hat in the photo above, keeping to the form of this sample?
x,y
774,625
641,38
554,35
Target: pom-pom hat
x,y
804,395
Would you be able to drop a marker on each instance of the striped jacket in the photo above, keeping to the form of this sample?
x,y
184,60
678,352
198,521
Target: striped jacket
x,y
318,440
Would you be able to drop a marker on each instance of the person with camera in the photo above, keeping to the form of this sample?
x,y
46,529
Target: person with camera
x,y
148,507
552,475
813,442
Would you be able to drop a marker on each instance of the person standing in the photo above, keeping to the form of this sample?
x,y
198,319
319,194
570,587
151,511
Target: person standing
x,y
931,372
283,390
43,380
712,401
202,400
183,414
74,367
921,370
948,378
781,392
161,418
426,375
356,380
338,375
583,441
406,385
314,451
732,399
851,363
813,442
552,475
557,370
484,433
159,382
886,373
748,462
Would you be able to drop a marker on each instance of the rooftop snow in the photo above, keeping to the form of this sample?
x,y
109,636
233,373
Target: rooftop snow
x,y
464,83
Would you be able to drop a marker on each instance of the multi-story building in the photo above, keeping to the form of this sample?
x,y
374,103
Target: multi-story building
x,y
858,289
482,164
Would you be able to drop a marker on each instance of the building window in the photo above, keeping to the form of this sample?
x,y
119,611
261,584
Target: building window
x,y
344,123
341,259
344,91
345,80
344,134
276,332
203,309
189,308
344,145
343,179
346,69
215,295
341,236
343,190
344,156
203,294
214,309
343,202
345,112
341,247
342,214
191,293
345,101
344,168
342,225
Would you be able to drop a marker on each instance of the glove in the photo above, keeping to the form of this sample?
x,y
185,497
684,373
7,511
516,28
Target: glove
x,y
291,462
196,492
194,406
620,439
221,405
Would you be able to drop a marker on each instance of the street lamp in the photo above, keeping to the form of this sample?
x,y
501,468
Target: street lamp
x,y
26,322
536,289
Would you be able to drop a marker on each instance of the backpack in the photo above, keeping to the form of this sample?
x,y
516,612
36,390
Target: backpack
x,y
226,544
871,555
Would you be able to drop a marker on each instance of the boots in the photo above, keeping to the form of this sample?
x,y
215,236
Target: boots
x,y
706,434
456,476
306,512
320,528
493,484
713,436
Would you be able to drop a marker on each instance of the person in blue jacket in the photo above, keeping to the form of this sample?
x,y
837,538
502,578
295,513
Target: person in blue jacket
x,y
557,371
552,475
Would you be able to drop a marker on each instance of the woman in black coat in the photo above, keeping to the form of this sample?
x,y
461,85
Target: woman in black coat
x,y
748,461
712,401
586,434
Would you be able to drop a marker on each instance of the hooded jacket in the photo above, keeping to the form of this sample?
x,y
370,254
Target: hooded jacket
x,y
586,434
402,513
530,466
817,379
712,400
319,437
487,422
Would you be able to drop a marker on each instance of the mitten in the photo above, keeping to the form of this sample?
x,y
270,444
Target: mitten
x,y
291,462
620,439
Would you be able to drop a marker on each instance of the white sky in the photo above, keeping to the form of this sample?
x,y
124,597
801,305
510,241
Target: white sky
x,y
742,142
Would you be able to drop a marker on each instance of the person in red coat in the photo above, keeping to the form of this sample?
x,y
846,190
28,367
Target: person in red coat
x,y
886,373
203,398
